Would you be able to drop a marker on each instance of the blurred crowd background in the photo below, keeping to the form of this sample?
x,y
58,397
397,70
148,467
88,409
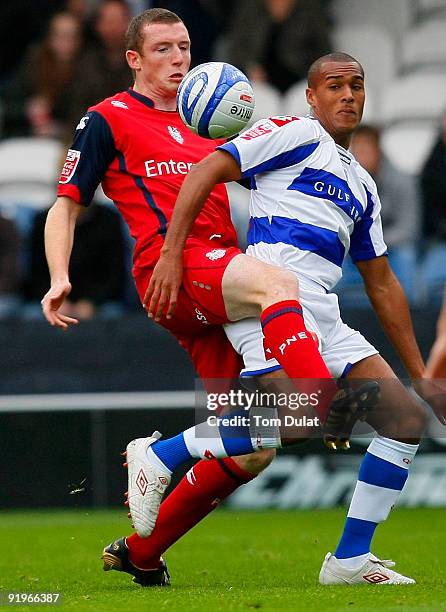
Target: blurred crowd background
x,y
59,57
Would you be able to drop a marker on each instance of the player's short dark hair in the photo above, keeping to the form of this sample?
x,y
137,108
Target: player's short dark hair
x,y
337,56
134,38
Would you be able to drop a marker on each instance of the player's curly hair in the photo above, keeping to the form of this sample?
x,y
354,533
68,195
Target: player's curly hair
x,y
134,38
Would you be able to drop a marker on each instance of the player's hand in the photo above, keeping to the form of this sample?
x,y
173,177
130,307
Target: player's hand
x,y
433,391
162,293
436,364
51,303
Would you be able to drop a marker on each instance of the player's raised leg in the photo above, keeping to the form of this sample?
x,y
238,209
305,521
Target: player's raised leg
x,y
252,288
382,476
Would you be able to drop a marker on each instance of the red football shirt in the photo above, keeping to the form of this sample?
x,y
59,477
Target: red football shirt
x,y
142,155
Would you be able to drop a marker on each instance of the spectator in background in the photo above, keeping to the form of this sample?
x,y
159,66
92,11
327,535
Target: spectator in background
x,y
205,21
433,200
102,68
37,100
399,196
97,266
9,267
21,23
277,40
81,9
433,188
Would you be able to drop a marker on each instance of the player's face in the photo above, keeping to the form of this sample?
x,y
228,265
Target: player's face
x,y
337,99
164,60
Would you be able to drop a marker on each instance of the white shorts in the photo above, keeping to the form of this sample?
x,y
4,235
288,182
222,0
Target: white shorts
x,y
339,345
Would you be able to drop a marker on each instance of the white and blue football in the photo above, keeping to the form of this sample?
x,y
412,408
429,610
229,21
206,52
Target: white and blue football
x,y
215,100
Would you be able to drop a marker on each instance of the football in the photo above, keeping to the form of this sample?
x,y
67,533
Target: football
x,y
215,100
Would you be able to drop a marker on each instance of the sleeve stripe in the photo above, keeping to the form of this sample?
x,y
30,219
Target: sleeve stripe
x,y
70,191
283,160
362,247
232,150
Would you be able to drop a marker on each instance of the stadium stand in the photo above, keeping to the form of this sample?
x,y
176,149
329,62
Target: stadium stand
x,y
268,101
421,95
28,171
374,48
391,17
424,45
411,106
407,143
403,49
294,101
427,7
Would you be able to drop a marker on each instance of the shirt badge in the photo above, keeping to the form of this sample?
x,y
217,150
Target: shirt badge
x,y
70,165
119,104
176,134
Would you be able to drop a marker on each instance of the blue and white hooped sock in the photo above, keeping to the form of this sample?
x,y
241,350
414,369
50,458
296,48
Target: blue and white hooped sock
x,y
382,476
209,441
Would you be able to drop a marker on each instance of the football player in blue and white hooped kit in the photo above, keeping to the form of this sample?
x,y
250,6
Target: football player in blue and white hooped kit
x,y
311,205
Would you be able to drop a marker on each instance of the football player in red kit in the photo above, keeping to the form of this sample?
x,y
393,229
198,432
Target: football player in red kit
x,y
136,145
140,150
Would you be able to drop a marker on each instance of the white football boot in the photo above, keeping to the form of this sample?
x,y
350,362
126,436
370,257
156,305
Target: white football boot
x,y
373,571
147,485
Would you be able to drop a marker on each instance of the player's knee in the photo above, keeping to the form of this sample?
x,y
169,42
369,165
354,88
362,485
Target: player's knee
x,y
280,285
256,462
414,420
409,423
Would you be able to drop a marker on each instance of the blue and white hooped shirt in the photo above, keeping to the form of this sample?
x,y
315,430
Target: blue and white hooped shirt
x,y
311,201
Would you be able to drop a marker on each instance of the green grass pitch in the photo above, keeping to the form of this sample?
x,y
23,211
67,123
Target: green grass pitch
x,y
232,561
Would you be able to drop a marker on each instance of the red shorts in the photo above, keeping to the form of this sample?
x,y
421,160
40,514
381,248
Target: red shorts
x,y
200,312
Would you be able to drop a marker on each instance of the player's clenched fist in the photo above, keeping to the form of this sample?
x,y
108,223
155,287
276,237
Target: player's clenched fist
x,y
51,303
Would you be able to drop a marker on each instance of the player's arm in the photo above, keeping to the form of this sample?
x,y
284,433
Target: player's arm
x,y
59,236
390,304
368,250
162,292
87,161
433,385
436,364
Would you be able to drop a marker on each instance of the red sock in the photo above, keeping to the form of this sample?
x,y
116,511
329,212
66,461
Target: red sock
x,y
288,340
196,495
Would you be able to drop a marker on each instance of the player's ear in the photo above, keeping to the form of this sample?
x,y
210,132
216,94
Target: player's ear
x,y
133,59
310,96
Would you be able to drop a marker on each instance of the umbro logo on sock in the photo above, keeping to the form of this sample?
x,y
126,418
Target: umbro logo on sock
x,y
407,461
